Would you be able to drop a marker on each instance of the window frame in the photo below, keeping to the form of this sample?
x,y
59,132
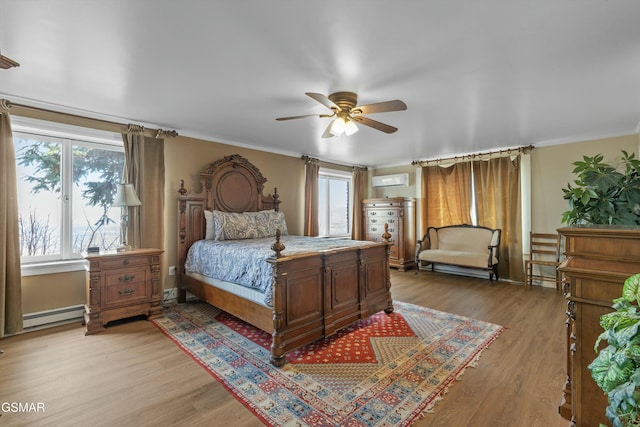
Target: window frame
x,y
68,136
343,176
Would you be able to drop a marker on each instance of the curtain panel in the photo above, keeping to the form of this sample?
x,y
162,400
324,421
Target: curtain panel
x,y
144,168
447,195
360,178
311,200
10,274
498,205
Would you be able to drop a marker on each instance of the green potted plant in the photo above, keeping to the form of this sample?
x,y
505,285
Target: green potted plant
x,y
603,193
616,369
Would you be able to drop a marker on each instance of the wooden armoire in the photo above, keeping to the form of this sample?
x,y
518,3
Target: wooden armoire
x,y
400,214
598,260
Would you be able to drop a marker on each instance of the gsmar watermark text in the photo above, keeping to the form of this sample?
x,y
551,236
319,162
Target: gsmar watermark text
x,y
22,407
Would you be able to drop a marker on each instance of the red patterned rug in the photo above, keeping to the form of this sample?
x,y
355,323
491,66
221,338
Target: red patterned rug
x,y
383,371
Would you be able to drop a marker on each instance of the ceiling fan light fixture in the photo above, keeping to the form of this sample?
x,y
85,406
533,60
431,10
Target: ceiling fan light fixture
x,y
350,128
338,127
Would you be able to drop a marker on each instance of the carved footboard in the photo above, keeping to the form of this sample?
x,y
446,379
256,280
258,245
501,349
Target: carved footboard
x,y
318,294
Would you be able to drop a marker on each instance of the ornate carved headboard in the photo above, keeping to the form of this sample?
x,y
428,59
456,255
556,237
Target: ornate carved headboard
x,y
231,184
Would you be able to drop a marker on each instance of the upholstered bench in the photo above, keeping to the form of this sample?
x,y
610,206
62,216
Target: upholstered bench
x,y
462,245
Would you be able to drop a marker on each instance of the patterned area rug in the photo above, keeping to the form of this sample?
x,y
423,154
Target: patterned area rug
x,y
383,371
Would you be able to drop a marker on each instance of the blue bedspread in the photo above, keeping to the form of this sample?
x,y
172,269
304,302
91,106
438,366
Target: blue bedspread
x,y
244,261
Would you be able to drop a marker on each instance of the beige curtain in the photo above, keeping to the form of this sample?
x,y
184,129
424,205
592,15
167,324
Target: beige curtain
x,y
311,227
144,168
360,178
10,275
446,192
497,191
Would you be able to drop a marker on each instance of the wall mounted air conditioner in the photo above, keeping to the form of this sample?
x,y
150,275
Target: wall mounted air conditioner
x,y
397,180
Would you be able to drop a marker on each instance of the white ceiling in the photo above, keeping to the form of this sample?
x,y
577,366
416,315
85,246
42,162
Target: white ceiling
x,y
475,75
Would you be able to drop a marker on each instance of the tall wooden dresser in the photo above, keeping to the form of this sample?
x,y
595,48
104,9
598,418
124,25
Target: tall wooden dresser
x,y
598,260
122,285
400,214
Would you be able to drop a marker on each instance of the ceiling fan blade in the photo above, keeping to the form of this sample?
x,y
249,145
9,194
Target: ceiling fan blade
x,y
374,124
303,116
380,107
326,133
324,100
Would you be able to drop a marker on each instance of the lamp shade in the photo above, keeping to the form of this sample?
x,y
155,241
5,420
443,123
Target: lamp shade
x,y
126,196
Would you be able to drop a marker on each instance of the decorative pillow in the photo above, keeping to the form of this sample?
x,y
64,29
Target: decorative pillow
x,y
267,222
237,226
246,225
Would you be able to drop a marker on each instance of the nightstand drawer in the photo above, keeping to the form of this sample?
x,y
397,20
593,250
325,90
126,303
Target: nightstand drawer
x,y
123,277
128,293
125,261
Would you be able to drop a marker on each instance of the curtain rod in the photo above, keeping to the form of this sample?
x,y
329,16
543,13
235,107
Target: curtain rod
x,y
6,104
309,159
467,157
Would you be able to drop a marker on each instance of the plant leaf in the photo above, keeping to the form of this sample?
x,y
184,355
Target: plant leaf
x,y
607,372
631,288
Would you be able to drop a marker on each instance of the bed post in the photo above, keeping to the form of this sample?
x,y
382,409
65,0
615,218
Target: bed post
x,y
278,358
190,229
386,236
278,246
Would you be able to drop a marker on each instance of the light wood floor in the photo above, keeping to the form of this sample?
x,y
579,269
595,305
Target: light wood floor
x,y
131,374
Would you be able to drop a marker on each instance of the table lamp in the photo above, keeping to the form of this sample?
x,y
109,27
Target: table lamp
x,y
125,198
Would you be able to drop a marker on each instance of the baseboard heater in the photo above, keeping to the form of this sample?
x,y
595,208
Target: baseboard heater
x,y
59,316
53,317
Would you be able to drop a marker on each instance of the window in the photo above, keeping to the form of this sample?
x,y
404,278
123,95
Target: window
x,y
334,203
67,179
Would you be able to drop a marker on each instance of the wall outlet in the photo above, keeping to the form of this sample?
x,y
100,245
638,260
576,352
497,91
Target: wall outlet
x,y
172,270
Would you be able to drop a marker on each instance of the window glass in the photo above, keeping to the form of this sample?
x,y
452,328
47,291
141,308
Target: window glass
x,y
334,205
65,192
39,198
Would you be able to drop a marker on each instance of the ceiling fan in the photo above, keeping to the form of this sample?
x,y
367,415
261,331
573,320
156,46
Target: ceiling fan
x,y
346,111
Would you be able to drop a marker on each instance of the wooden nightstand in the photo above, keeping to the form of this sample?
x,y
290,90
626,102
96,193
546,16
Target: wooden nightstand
x,y
122,285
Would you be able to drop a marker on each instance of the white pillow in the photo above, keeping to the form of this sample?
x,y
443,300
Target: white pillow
x,y
213,225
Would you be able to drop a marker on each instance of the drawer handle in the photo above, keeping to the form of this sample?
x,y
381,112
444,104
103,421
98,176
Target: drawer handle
x,y
374,220
126,278
373,213
126,261
127,291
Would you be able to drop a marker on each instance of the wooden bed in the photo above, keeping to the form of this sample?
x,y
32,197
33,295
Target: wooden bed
x,y
315,294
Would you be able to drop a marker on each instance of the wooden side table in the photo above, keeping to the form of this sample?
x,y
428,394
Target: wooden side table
x,y
121,285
